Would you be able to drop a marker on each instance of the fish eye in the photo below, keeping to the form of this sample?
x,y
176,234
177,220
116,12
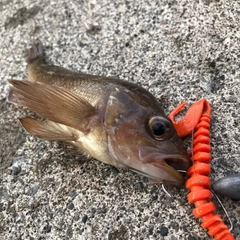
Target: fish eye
x,y
160,128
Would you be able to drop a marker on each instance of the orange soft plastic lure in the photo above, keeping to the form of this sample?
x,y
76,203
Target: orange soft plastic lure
x,y
198,119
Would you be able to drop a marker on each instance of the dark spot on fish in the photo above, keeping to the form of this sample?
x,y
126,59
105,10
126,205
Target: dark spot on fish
x,y
21,16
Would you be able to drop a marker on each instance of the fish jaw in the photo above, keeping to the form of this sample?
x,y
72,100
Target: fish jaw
x,y
165,173
160,172
171,152
159,167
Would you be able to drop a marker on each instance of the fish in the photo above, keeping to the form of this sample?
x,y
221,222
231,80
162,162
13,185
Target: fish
x,y
114,121
228,186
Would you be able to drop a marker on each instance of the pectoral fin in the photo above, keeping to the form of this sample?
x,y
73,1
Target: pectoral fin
x,y
53,103
47,130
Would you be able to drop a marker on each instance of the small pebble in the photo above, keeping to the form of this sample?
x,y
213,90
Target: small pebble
x,y
115,171
16,170
69,232
164,231
85,218
156,214
47,228
70,206
154,189
139,186
76,216
191,238
222,77
150,230
154,197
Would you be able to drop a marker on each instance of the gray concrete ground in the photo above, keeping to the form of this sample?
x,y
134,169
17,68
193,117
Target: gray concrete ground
x,y
178,50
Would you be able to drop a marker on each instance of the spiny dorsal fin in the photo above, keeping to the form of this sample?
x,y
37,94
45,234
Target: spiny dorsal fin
x,y
53,103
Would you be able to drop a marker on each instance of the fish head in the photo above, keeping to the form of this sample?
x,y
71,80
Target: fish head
x,y
143,138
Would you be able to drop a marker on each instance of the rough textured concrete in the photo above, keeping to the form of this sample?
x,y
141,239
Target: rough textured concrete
x,y
178,50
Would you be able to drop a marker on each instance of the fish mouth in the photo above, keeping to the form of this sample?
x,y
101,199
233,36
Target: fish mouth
x,y
173,166
165,168
178,162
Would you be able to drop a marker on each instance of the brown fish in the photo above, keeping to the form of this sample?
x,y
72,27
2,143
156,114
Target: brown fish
x,y
114,121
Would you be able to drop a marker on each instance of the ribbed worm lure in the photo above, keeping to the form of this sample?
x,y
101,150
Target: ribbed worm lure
x,y
198,118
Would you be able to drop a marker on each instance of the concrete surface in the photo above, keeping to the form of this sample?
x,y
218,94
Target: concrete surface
x,y
178,50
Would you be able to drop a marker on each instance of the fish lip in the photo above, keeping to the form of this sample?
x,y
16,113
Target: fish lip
x,y
167,163
171,160
175,166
